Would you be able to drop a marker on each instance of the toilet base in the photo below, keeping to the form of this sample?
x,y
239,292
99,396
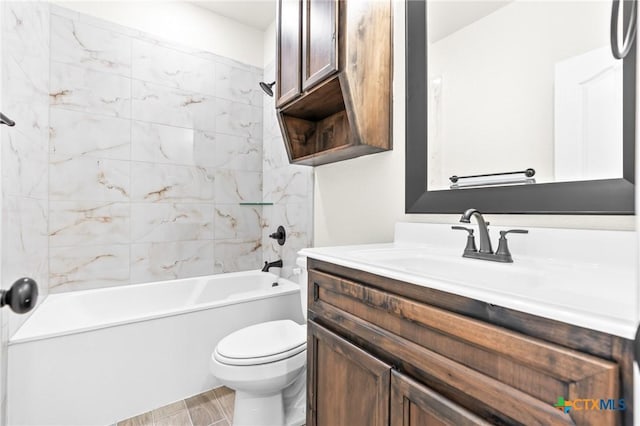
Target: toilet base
x,y
251,409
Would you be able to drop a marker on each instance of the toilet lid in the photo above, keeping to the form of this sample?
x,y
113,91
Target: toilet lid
x,y
262,343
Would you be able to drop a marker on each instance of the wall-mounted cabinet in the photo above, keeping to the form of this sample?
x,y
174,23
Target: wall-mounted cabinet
x,y
334,78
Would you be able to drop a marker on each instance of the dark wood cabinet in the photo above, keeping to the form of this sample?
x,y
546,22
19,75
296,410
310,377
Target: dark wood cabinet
x,y
334,78
413,404
461,361
320,41
349,386
288,50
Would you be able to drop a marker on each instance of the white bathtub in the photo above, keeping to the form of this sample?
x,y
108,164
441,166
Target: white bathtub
x,y
98,356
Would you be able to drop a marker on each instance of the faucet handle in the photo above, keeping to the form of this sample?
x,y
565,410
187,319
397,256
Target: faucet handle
x,y
503,247
471,241
463,228
513,231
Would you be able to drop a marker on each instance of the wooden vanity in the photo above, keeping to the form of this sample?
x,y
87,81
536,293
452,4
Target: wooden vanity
x,y
386,352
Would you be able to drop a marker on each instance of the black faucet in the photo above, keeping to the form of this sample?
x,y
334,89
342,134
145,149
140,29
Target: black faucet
x,y
267,265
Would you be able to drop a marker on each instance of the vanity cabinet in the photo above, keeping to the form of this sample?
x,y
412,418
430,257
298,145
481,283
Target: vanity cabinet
x,y
440,358
334,78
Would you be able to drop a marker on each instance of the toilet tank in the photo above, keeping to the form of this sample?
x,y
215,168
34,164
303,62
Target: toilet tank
x,y
302,280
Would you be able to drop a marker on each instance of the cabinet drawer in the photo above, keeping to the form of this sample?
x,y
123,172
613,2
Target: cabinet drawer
x,y
438,345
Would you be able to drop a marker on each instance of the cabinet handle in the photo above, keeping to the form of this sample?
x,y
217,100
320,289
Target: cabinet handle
x,y
630,34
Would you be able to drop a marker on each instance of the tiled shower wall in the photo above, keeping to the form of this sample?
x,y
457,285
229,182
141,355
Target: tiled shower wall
x,y
24,98
289,187
132,156
152,149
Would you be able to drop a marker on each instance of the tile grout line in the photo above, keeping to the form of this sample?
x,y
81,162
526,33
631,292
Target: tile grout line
x,y
217,401
188,412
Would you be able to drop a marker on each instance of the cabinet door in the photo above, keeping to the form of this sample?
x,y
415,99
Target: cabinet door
x,y
414,404
288,50
320,40
346,385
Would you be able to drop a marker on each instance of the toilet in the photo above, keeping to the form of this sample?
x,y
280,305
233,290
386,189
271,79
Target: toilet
x,y
265,365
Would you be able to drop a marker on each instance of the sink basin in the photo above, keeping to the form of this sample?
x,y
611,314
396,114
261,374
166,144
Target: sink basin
x,y
595,286
583,277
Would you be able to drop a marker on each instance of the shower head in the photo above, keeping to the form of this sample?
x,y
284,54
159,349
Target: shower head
x,y
267,87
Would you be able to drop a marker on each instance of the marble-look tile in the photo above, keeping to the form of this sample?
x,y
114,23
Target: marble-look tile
x,y
81,89
170,260
158,143
89,179
94,48
25,243
25,153
237,222
291,184
270,119
61,11
78,134
169,67
238,153
76,223
25,28
167,183
270,247
274,154
157,222
238,186
238,85
238,255
205,148
174,107
238,119
85,267
25,80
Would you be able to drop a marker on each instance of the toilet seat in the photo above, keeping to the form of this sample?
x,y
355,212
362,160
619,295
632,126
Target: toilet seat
x,y
262,343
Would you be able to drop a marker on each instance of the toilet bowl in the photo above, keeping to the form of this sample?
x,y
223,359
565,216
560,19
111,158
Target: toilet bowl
x,y
259,362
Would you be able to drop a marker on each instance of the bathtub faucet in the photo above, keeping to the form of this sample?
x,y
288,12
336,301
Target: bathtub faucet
x,y
267,265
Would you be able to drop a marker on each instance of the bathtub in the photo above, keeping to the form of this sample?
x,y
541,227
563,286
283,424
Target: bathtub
x,y
99,356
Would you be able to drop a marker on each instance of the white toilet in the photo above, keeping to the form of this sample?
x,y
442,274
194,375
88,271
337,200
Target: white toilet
x,y
260,361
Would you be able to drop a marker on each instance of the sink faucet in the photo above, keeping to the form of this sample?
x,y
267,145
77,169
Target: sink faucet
x,y
485,241
486,252
276,264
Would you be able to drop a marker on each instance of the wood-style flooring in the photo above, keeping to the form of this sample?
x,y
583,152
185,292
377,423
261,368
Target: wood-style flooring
x,y
214,407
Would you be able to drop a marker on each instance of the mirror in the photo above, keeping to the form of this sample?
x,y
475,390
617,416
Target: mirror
x,y
518,85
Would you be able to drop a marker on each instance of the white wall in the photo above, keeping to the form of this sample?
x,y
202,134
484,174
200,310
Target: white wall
x,y
183,23
359,200
270,44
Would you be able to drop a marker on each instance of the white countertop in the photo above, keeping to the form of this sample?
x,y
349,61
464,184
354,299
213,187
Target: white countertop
x,y
581,277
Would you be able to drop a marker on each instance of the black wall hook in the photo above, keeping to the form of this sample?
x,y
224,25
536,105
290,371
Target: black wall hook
x,y
6,120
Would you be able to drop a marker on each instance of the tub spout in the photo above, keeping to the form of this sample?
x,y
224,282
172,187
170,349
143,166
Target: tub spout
x,y
276,264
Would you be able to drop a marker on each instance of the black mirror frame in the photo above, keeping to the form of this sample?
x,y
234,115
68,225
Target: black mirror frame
x,y
606,197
